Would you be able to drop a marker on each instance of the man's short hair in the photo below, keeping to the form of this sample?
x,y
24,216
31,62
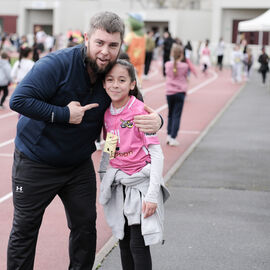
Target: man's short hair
x,y
107,21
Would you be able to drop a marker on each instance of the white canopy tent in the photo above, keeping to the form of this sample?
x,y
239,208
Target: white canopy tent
x,y
259,24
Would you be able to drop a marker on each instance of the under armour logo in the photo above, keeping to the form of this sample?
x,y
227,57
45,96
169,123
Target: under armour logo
x,y
19,189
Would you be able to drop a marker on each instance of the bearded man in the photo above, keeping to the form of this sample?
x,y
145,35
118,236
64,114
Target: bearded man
x,y
62,103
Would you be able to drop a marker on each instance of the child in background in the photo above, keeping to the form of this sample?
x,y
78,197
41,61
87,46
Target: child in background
x,y
23,65
205,57
5,77
236,63
176,87
132,190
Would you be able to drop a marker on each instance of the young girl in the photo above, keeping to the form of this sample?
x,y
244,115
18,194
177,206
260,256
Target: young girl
x,y
176,87
132,190
23,65
205,57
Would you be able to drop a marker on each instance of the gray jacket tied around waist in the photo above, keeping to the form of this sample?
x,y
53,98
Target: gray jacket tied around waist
x,y
116,206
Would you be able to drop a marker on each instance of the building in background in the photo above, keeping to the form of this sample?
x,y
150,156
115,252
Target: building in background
x,y
188,19
194,20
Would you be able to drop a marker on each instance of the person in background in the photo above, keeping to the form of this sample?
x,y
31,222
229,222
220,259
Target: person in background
x,y
236,63
40,38
248,61
5,77
36,51
188,59
149,49
220,53
135,42
205,57
22,66
167,45
62,102
132,189
188,50
23,42
176,87
198,52
264,67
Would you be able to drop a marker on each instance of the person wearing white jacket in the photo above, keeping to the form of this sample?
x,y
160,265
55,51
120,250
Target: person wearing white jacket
x,y
5,78
23,65
236,63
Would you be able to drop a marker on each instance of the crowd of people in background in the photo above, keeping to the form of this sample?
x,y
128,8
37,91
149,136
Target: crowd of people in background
x,y
141,45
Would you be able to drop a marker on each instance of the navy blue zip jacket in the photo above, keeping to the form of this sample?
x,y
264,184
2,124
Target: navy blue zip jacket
x,y
43,132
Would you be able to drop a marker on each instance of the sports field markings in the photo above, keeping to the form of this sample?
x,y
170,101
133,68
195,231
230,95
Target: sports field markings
x,y
6,142
199,86
6,155
195,132
6,197
9,195
190,91
7,115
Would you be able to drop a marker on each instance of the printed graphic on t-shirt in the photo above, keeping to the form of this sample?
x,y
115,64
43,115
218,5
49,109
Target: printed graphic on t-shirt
x,y
126,123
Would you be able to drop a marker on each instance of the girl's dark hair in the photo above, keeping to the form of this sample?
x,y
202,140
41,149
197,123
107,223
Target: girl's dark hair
x,y
132,74
24,52
124,56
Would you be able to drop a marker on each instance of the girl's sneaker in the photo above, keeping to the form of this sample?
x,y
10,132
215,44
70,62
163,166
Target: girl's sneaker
x,y
173,142
168,139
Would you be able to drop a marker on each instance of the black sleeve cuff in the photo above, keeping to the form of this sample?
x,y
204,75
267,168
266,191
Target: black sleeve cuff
x,y
162,121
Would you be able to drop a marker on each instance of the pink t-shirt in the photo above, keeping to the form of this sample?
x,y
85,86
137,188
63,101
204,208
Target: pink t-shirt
x,y
131,151
176,83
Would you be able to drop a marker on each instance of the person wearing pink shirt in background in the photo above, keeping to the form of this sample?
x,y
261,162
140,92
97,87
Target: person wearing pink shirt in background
x,y
176,87
205,57
132,189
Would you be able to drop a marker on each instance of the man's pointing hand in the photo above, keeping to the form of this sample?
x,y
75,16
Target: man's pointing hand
x,y
76,111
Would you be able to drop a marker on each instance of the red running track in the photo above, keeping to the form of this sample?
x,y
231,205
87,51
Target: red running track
x,y
207,96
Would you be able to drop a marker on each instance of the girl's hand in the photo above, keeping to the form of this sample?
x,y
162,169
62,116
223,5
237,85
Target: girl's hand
x,y
149,208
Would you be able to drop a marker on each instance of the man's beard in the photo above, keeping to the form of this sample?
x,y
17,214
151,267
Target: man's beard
x,y
96,69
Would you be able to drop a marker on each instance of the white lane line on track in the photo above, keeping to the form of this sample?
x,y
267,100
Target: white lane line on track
x,y
6,155
7,115
6,197
151,88
190,131
196,88
6,142
190,91
9,195
183,131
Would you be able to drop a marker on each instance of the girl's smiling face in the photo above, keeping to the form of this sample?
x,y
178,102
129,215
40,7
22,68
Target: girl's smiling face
x,y
118,84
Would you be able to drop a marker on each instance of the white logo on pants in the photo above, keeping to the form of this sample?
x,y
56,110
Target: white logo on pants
x,y
19,189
